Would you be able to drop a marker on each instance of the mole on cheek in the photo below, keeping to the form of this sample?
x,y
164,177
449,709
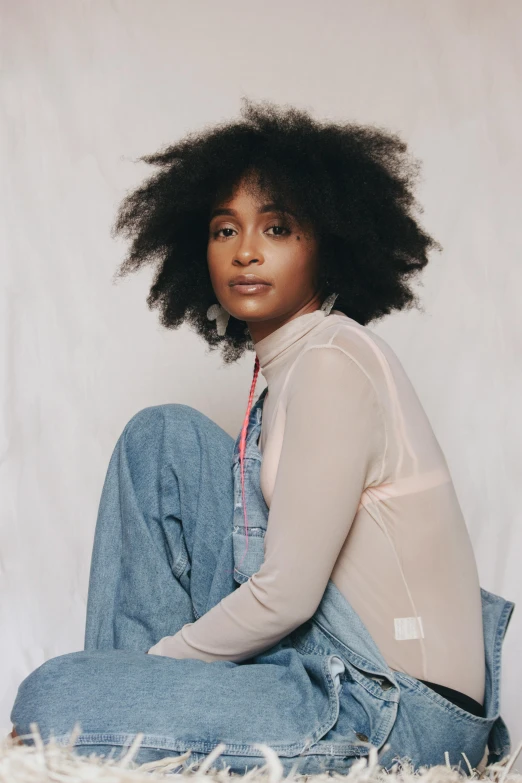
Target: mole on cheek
x,y
298,238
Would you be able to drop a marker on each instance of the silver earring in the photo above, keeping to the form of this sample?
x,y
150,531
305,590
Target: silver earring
x,y
221,316
329,303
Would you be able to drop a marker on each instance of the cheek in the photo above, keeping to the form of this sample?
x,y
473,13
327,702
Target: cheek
x,y
297,273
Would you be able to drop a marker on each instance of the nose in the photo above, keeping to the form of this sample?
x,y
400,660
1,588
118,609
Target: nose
x,y
247,252
247,261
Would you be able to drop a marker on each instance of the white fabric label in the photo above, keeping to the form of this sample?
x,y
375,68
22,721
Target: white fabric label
x,y
408,628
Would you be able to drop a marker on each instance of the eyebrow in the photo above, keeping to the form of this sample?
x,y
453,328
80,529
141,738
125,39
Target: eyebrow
x,y
265,208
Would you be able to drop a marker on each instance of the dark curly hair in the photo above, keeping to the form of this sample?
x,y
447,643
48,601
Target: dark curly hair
x,y
352,182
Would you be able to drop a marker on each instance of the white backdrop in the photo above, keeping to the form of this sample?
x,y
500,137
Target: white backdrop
x,y
87,87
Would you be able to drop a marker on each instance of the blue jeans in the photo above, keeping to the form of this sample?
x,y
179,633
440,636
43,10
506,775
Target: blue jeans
x,y
165,551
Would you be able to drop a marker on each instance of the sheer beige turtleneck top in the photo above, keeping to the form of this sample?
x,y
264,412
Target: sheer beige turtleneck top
x,y
358,491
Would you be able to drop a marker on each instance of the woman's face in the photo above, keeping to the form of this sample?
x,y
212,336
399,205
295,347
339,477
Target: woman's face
x,y
249,237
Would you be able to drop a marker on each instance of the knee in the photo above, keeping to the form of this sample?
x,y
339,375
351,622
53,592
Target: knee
x,y
40,697
170,433
149,424
155,416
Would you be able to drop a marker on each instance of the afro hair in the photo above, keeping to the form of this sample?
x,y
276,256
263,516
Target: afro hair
x,y
353,183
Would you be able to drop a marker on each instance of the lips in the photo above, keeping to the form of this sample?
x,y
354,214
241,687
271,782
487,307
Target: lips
x,y
248,280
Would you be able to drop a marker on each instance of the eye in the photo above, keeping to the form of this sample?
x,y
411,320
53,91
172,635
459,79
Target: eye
x,y
216,234
278,225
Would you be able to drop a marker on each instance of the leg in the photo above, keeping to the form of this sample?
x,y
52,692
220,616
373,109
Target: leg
x,y
162,553
177,705
164,515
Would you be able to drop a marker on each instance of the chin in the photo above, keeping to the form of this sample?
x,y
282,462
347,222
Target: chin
x,y
253,314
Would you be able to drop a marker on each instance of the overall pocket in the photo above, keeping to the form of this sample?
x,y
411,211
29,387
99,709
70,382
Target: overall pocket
x,y
248,562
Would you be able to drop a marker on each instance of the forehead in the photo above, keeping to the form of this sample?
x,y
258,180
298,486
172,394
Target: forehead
x,y
253,195
246,198
259,209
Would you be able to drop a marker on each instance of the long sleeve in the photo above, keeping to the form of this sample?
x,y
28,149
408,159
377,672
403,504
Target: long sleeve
x,y
333,447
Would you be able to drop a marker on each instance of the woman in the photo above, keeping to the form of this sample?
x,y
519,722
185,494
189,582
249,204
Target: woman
x,y
310,585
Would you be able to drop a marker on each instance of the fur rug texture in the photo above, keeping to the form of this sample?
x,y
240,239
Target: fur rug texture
x,y
56,763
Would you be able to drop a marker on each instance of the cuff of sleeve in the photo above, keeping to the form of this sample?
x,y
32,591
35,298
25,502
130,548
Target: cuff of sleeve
x,y
172,646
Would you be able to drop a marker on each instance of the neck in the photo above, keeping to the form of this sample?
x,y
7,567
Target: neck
x,y
272,349
261,329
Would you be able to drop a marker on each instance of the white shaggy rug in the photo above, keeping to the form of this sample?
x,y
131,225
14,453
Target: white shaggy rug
x,y
54,763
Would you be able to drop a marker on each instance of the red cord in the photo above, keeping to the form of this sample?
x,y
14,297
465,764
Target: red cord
x,y
242,446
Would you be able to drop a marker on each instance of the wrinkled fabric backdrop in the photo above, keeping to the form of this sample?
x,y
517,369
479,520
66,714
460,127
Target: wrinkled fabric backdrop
x,y
87,87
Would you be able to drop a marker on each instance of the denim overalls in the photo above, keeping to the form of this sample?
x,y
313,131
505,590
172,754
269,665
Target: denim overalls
x,y
375,704
168,547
